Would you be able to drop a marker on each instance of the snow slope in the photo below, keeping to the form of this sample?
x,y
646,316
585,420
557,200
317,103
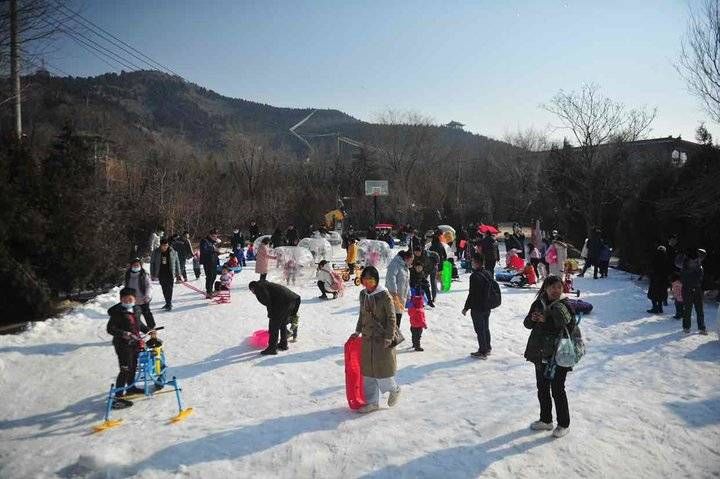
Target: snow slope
x,y
645,401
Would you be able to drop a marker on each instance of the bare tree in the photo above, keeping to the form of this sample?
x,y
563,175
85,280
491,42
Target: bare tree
x,y
699,62
594,119
529,139
591,178
34,29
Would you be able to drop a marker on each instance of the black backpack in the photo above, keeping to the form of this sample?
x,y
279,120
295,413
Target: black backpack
x,y
494,295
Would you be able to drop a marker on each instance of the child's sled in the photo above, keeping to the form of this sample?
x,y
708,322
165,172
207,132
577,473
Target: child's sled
x,y
354,386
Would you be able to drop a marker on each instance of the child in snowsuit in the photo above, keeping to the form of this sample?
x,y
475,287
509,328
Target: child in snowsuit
x,y
196,264
534,258
226,277
290,269
417,319
419,281
232,261
125,326
677,292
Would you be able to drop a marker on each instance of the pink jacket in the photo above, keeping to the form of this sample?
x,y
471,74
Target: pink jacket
x,y
262,259
677,291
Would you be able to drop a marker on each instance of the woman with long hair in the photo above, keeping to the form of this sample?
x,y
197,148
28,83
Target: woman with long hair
x,y
549,316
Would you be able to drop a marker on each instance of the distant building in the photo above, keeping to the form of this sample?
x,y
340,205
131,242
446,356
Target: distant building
x,y
675,150
455,125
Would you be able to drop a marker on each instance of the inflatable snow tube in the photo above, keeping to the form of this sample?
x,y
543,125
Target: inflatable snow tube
x,y
260,339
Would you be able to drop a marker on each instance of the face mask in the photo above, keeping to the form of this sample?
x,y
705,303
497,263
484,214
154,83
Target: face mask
x,y
135,269
128,305
236,231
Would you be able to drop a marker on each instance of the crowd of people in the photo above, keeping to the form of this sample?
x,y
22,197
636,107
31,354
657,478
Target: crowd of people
x,y
682,273
410,283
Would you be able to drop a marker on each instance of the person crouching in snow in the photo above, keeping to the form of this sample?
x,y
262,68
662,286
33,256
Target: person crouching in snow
x,y
125,326
282,304
376,324
417,319
226,277
326,280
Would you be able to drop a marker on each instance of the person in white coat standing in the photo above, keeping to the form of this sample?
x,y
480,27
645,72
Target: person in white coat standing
x,y
397,282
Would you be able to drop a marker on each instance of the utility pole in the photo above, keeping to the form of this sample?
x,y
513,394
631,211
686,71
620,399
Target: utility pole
x,y
15,66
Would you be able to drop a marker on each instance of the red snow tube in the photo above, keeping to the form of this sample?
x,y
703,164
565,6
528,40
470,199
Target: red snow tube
x,y
260,338
354,387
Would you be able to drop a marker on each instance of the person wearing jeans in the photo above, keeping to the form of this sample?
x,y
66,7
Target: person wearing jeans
x,y
692,279
477,304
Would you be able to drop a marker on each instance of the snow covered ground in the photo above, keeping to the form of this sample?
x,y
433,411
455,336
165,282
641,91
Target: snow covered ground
x,y
645,400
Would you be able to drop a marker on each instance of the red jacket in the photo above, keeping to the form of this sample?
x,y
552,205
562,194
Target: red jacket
x,y
417,313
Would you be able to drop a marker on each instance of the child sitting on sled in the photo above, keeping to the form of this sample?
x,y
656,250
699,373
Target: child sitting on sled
x,y
232,261
417,318
226,277
513,261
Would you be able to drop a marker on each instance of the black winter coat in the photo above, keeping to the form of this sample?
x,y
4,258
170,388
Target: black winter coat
x,y
238,240
489,248
659,277
544,336
479,291
291,236
120,322
278,299
437,247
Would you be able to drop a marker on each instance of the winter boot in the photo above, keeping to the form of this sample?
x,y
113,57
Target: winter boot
x,y
269,352
394,397
368,408
541,426
560,431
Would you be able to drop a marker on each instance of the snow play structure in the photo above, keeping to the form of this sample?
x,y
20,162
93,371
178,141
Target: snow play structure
x,y
293,264
374,253
320,248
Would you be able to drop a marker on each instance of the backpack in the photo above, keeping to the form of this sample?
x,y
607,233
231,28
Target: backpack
x,y
494,295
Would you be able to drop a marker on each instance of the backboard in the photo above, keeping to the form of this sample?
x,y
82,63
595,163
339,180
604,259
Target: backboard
x,y
376,188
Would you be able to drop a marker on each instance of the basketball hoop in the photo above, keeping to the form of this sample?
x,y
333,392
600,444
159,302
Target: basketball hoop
x,y
376,188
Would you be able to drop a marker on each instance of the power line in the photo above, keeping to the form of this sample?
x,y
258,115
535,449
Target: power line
x,y
94,28
92,44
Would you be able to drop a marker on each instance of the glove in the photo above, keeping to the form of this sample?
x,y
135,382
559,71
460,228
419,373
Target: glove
x,y
354,335
126,335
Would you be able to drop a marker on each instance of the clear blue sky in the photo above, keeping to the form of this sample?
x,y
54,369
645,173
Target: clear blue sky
x,y
488,64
